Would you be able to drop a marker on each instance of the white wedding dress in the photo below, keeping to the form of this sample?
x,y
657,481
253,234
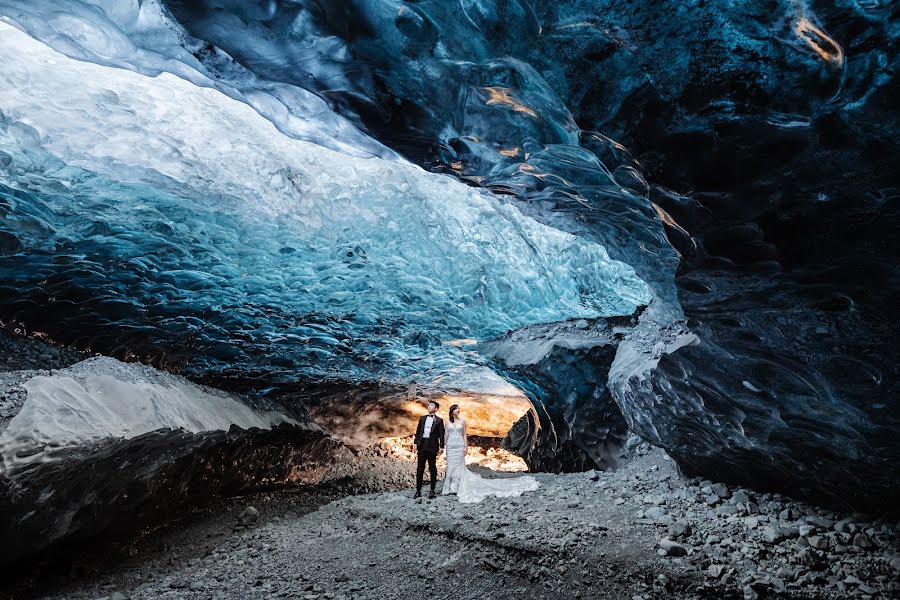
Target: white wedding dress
x,y
469,486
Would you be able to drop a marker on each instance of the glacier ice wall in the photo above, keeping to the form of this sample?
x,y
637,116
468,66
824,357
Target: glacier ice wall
x,y
457,107
451,86
768,134
191,221
142,37
105,448
103,398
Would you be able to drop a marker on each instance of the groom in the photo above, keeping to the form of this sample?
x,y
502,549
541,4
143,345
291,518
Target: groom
x,y
429,442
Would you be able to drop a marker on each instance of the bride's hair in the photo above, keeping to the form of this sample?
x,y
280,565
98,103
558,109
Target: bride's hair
x,y
453,408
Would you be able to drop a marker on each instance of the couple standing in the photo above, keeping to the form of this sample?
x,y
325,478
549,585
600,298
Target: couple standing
x,y
432,436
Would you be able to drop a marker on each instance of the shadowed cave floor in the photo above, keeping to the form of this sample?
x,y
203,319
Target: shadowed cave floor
x,y
587,535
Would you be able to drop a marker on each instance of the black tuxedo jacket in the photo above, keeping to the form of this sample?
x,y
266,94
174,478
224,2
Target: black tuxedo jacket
x,y
436,440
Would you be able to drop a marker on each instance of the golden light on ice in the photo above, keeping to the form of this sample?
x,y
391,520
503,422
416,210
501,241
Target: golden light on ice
x,y
500,95
486,415
461,342
511,152
369,421
820,42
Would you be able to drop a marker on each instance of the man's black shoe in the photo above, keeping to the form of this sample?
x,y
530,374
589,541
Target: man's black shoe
x,y
431,495
418,495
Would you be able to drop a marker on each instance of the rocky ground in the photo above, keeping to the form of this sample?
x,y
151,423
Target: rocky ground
x,y
20,360
637,533
641,532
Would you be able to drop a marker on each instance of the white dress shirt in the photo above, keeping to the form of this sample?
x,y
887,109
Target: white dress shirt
x,y
429,421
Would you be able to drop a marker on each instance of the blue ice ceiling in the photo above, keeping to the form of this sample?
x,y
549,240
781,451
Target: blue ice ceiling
x,y
149,216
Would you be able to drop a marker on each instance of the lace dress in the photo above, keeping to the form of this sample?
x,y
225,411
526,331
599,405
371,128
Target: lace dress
x,y
469,486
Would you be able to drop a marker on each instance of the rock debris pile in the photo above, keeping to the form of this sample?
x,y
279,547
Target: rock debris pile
x,y
638,533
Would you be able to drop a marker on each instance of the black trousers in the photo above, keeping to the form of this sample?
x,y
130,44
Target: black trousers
x,y
430,456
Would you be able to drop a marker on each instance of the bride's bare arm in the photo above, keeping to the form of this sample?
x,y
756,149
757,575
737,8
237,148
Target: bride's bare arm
x,y
465,437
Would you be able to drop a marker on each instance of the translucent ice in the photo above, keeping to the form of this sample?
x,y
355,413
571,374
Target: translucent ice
x,y
141,36
102,397
179,213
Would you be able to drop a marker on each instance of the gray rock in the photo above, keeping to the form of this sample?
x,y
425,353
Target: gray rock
x,y
249,516
819,542
861,540
655,512
786,573
820,522
721,490
672,547
715,570
842,526
654,499
867,589
740,497
633,441
772,535
118,596
679,529
811,558
666,520
895,563
791,531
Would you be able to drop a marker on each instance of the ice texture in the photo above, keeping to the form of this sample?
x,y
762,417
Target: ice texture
x,y
453,87
258,258
190,218
102,398
142,36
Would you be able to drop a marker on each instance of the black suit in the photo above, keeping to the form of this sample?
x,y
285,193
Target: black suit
x,y
427,449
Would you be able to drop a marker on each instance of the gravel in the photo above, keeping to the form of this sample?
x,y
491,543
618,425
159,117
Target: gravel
x,y
640,532
20,360
569,539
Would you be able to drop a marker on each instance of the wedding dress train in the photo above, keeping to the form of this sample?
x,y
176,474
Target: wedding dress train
x,y
469,486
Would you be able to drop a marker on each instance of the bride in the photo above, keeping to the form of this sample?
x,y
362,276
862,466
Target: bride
x,y
469,486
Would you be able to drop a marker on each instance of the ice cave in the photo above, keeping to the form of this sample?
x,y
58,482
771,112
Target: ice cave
x,y
647,248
